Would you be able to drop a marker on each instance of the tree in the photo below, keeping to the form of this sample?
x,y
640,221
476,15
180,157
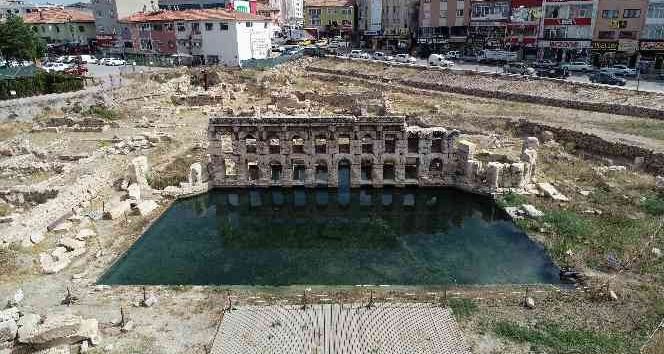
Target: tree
x,y
18,41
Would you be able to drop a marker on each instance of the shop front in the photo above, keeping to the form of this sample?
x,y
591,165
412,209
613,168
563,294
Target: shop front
x,y
564,50
652,55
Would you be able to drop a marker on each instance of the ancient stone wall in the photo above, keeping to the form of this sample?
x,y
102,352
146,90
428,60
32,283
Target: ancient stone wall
x,y
361,151
646,159
613,108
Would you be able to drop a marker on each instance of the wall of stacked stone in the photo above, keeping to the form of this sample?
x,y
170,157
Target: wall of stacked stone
x,y
621,109
250,152
652,162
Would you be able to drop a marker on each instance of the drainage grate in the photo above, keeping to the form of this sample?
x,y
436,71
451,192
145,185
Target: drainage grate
x,y
340,329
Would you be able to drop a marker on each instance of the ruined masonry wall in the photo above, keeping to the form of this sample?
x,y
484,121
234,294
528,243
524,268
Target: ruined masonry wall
x,y
377,151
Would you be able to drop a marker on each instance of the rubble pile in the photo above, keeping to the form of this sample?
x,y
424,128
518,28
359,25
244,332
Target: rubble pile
x,y
22,331
143,141
73,124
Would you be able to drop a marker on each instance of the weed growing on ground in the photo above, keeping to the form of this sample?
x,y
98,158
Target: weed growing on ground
x,y
562,340
462,307
653,204
103,112
511,199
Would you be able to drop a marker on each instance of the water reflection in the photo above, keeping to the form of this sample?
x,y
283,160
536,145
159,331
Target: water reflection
x,y
321,236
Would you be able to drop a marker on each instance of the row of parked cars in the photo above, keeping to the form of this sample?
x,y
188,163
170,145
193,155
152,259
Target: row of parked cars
x,y
613,75
89,59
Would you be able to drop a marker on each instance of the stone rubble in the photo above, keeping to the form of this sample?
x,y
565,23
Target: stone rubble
x,y
550,191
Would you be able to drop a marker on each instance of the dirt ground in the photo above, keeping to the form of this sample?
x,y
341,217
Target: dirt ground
x,y
576,318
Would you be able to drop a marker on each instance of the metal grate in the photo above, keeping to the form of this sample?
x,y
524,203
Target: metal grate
x,y
338,328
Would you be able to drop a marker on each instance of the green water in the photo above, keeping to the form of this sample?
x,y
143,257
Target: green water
x,y
327,237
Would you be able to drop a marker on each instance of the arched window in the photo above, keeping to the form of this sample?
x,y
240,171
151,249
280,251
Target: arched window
x,y
344,144
298,145
320,144
253,170
274,144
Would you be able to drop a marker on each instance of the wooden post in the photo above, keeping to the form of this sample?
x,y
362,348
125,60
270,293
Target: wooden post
x,y
122,317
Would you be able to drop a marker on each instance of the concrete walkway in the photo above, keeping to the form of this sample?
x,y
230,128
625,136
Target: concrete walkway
x,y
337,328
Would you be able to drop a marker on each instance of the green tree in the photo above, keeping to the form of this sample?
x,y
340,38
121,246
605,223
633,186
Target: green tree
x,y
18,41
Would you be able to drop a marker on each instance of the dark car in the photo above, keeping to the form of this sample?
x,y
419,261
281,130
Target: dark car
x,y
553,72
518,68
607,78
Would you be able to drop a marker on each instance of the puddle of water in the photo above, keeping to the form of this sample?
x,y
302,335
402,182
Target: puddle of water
x,y
327,237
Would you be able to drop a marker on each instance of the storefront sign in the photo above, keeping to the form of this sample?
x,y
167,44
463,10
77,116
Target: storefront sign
x,y
652,45
566,44
605,46
629,46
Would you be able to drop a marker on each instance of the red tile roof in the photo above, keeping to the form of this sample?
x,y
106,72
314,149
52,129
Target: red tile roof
x,y
57,15
191,15
328,3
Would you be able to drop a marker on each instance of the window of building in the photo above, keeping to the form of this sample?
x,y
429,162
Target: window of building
x,y
129,44
196,28
57,29
656,10
169,27
157,27
35,29
459,13
610,14
146,27
223,26
443,13
209,26
81,29
632,13
653,32
607,34
146,44
627,35
181,27
249,24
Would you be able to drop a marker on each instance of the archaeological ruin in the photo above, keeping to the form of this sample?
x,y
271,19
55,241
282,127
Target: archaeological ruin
x,y
355,151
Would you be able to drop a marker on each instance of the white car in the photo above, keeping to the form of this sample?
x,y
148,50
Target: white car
x,y
453,54
103,61
365,56
405,58
379,56
117,62
55,67
439,60
88,59
578,66
355,53
620,70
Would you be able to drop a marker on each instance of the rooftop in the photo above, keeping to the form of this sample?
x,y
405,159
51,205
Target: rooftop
x,y
329,3
58,15
191,15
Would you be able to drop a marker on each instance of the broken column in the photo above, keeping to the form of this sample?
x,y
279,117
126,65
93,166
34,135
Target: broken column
x,y
139,171
529,158
493,172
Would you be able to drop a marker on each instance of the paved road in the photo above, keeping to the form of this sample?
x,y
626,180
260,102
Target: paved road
x,y
103,71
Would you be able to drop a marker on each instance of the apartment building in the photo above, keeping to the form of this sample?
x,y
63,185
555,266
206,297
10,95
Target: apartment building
x,y
618,27
523,27
107,14
652,35
211,36
566,29
488,24
62,26
443,25
191,4
327,18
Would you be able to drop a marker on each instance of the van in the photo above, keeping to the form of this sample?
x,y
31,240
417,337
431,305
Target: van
x,y
88,59
439,60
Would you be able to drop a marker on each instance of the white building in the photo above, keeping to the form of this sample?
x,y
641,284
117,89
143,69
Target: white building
x,y
293,11
212,36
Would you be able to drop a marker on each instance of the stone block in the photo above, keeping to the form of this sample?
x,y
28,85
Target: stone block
x,y
551,192
118,210
659,183
11,313
134,192
8,330
139,170
146,207
467,149
63,329
532,211
531,143
27,325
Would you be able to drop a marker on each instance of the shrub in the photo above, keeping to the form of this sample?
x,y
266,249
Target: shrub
x,y
511,199
462,307
653,204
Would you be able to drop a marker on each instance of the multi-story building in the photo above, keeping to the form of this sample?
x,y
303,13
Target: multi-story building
x,y
107,14
488,23
211,36
523,27
191,4
443,25
327,18
652,35
618,28
63,26
566,29
400,22
292,12
14,8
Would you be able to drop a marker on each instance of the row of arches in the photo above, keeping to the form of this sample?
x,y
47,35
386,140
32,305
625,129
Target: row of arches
x,y
321,144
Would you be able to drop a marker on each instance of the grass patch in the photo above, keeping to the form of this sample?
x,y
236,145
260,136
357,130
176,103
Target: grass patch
x,y
511,199
562,340
641,127
5,209
653,204
103,112
7,261
176,171
9,130
462,308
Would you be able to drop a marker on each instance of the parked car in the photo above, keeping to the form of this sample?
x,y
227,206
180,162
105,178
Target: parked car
x,y
355,53
581,66
89,59
603,77
379,56
544,64
439,60
103,61
497,56
405,58
518,68
55,67
553,72
78,70
277,48
620,70
117,62
453,54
